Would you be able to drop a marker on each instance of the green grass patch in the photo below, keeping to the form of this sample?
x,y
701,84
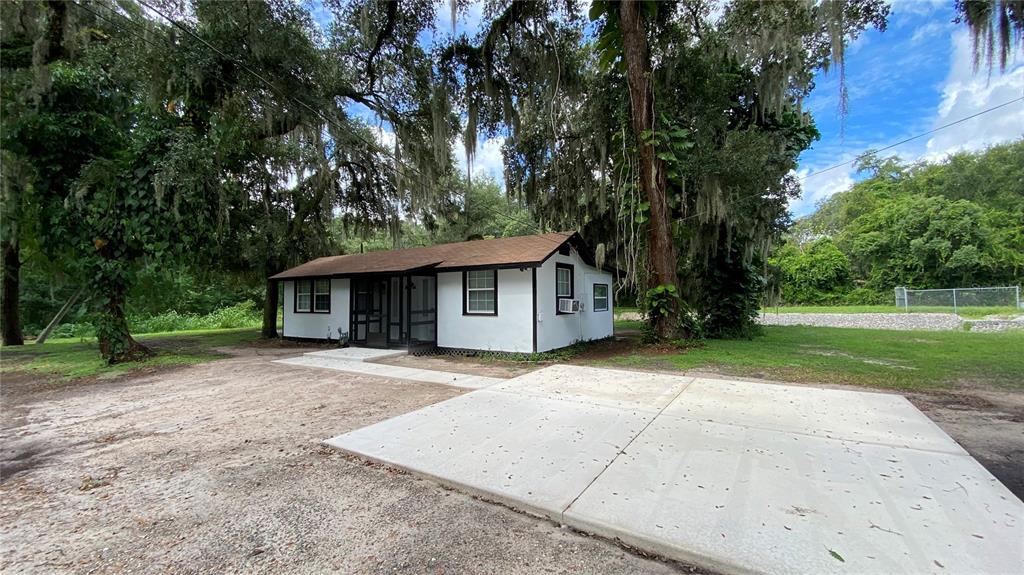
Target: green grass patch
x,y
622,324
245,314
967,312
71,358
877,358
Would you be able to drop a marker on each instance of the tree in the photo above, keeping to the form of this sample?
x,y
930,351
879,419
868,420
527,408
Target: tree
x,y
50,131
957,222
195,155
683,130
817,273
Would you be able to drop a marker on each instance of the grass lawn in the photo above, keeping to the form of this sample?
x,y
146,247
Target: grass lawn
x,y
877,358
967,312
72,358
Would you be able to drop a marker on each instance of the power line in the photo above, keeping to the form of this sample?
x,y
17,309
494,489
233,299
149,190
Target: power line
x,y
921,135
862,154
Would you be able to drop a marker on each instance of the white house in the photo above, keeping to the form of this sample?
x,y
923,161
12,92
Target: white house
x,y
522,294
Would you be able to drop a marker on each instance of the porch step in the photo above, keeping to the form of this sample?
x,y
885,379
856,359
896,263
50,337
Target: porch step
x,y
333,362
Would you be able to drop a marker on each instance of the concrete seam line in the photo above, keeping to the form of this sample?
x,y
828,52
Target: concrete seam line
x,y
625,447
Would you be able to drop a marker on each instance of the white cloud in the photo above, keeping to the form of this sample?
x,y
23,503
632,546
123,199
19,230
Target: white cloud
x,y
488,159
917,8
384,137
467,22
928,30
967,92
819,188
964,93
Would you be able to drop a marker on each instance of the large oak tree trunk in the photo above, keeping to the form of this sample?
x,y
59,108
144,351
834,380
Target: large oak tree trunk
x,y
661,250
116,343
270,308
11,316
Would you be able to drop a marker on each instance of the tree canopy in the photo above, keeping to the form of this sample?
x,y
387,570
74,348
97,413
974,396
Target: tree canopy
x,y
246,137
954,223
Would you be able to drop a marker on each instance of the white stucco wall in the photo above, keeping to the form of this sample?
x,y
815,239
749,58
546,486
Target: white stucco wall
x,y
317,325
510,330
555,331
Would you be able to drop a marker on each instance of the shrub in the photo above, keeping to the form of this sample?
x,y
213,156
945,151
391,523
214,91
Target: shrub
x,y
817,274
865,296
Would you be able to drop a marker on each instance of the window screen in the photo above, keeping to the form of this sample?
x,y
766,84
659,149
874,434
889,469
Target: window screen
x,y
303,295
600,297
322,296
564,282
481,292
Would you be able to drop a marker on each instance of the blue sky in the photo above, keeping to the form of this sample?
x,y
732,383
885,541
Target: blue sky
x,y
912,78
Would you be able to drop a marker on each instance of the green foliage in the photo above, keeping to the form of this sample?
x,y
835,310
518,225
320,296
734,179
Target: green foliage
x,y
955,223
817,273
730,302
661,300
241,315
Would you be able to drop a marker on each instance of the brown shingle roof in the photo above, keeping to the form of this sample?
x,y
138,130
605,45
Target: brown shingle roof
x,y
499,252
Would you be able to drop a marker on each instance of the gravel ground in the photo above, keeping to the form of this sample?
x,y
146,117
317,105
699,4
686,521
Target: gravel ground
x,y
902,321
219,468
899,321
997,324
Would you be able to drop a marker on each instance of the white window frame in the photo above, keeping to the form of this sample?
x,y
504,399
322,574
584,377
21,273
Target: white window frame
x,y
316,292
558,282
299,284
606,297
467,290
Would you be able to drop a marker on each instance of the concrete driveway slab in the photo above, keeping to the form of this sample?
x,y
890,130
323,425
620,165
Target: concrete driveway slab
x,y
732,476
610,387
530,452
883,418
746,500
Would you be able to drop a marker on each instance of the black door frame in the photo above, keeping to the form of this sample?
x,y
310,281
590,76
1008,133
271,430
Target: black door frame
x,y
371,282
404,303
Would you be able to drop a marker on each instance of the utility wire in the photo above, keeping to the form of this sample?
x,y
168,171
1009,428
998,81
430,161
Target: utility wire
x,y
416,170
862,154
921,135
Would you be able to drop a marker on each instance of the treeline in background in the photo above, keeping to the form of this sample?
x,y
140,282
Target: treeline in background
x,y
189,297
954,223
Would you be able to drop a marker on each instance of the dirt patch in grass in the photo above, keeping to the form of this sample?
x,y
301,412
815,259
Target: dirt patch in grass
x,y
989,424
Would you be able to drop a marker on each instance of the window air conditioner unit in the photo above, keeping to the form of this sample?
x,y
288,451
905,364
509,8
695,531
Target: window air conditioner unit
x,y
568,305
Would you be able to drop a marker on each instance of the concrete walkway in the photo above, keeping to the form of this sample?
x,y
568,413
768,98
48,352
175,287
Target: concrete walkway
x,y
733,476
359,360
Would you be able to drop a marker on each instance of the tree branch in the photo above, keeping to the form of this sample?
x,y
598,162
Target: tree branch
x,y
389,27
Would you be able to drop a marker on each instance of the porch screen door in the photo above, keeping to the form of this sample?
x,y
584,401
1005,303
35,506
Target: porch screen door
x,y
422,310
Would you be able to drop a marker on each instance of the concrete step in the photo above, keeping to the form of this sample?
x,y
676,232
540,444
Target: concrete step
x,y
356,353
322,361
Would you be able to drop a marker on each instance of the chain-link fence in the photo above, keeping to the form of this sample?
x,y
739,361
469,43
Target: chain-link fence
x,y
960,300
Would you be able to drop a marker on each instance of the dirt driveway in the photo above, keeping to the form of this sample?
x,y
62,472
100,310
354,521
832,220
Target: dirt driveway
x,y
219,468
